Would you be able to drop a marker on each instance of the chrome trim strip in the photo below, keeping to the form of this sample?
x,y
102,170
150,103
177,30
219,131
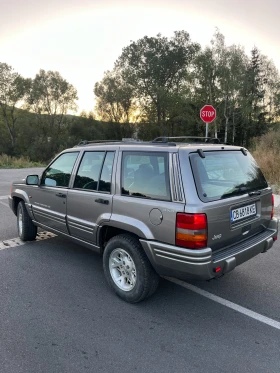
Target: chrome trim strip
x,y
81,224
199,253
81,229
77,225
178,177
82,242
192,259
175,176
171,178
175,184
49,216
175,179
183,261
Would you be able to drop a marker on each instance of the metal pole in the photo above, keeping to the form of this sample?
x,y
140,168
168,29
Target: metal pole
x,y
206,132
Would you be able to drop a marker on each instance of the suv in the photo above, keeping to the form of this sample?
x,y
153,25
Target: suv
x,y
179,207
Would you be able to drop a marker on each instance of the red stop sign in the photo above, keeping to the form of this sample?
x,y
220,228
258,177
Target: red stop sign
x,y
208,113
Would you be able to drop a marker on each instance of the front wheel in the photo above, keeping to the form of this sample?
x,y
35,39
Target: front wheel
x,y
128,270
27,231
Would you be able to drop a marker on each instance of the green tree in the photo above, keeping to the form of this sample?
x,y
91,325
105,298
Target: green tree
x,y
271,86
253,98
217,80
115,99
206,77
156,68
230,77
51,97
13,89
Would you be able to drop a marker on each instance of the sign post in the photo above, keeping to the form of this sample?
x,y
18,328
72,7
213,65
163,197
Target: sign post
x,y
207,114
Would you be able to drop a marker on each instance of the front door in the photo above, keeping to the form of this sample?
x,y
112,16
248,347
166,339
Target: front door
x,y
89,202
49,199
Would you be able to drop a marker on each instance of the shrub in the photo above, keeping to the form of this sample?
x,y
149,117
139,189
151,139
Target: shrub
x,y
266,151
11,162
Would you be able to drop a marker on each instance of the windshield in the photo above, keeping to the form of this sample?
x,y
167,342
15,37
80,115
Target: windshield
x,y
224,174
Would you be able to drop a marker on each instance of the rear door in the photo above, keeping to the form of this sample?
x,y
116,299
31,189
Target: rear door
x,y
233,193
89,201
144,203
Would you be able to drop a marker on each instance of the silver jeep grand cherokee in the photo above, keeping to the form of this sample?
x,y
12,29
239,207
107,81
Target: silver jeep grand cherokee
x,y
181,207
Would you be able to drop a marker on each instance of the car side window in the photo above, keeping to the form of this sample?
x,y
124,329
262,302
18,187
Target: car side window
x,y
145,174
106,175
59,172
95,171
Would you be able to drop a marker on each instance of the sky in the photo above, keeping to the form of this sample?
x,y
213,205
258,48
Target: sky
x,y
81,39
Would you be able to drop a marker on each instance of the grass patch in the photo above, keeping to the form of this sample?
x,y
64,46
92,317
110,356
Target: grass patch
x,y
266,151
11,162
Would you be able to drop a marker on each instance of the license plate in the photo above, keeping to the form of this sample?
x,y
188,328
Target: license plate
x,y
243,212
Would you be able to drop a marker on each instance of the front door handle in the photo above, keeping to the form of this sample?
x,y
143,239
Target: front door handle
x,y
61,195
103,201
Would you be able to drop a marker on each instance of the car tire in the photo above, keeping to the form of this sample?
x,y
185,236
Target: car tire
x,y
27,231
127,269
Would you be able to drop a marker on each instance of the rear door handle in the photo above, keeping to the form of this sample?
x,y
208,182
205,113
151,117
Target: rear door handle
x,y
61,195
103,201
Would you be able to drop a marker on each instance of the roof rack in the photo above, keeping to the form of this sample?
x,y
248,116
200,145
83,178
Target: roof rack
x,y
86,142
166,140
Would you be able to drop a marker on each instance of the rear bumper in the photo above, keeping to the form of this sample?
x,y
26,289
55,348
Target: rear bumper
x,y
183,263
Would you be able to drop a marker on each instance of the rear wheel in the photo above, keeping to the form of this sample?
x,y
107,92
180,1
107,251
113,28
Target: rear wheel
x,y
128,270
27,231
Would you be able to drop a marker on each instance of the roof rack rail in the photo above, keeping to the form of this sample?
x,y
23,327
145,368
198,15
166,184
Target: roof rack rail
x,y
166,140
86,142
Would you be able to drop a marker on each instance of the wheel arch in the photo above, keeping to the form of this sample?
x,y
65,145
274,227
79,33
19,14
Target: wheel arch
x,y
17,196
16,201
106,232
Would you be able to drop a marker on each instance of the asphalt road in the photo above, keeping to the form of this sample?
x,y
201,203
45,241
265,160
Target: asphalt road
x,y
58,315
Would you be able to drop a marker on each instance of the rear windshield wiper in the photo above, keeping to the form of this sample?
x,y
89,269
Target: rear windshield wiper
x,y
241,190
255,193
235,192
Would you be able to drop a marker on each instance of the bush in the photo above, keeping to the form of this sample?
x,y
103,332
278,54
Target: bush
x,y
266,151
11,162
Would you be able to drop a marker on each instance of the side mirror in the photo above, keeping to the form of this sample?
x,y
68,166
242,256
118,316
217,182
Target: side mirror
x,y
32,180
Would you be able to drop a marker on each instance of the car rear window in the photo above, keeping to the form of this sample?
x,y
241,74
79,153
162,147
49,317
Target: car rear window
x,y
224,174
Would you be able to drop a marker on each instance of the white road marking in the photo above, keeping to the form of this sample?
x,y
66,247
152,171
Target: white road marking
x,y
4,204
15,242
227,303
4,197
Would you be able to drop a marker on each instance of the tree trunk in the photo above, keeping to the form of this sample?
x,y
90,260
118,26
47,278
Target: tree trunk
x,y
12,136
227,119
158,113
233,127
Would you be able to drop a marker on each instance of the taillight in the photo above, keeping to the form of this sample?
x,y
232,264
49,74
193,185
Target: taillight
x,y
191,230
272,211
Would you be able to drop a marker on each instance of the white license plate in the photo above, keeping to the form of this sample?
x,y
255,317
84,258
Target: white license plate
x,y
243,212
